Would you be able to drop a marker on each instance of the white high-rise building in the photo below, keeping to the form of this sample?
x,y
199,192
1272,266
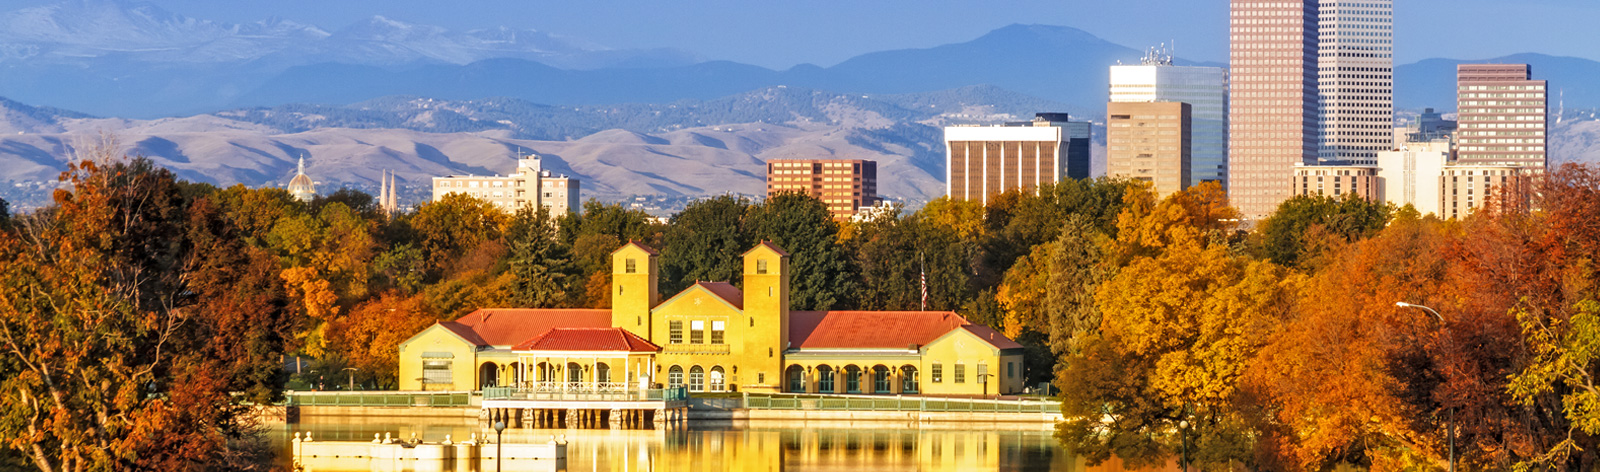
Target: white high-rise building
x,y
1205,89
1355,80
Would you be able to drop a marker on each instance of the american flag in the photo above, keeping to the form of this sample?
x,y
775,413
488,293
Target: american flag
x,y
924,289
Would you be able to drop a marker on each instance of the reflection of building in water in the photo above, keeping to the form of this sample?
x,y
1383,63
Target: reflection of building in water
x,y
800,447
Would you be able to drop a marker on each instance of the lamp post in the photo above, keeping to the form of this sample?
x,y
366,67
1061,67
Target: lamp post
x,y
1451,432
499,433
1183,435
352,371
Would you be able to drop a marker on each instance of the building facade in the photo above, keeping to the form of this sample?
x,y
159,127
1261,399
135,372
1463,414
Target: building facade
x,y
982,161
847,186
1205,89
529,185
1501,115
559,193
1465,187
1411,176
1355,79
1272,117
713,337
1150,142
1337,181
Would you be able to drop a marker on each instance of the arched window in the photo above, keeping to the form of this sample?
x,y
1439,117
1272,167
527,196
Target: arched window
x,y
908,380
541,371
717,383
797,379
852,379
697,379
880,379
675,377
488,375
824,379
602,373
574,372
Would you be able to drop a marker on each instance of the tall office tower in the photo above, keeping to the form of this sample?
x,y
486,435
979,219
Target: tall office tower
x,y
1205,89
1355,78
1150,142
1501,115
846,185
988,160
1272,118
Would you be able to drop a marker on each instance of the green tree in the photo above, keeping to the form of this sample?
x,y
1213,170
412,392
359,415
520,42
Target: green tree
x,y
593,235
892,255
541,267
1303,224
705,242
820,269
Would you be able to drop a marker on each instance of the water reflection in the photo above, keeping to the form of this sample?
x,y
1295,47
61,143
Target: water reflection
x,y
752,448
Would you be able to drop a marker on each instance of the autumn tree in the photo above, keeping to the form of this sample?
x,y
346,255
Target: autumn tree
x,y
453,225
1178,331
101,360
248,318
369,338
820,269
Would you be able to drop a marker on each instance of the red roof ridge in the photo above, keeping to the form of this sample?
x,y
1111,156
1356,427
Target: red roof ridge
x,y
769,245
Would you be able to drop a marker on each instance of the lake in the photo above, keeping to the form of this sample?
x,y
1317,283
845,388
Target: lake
x,y
745,446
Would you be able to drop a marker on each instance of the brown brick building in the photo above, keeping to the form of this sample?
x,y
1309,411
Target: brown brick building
x,y
1502,115
845,185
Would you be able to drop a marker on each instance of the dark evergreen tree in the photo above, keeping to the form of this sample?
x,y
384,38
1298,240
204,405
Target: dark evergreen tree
x,y
704,242
821,272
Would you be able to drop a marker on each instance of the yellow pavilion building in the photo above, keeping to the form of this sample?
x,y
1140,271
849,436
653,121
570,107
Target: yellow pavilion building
x,y
712,337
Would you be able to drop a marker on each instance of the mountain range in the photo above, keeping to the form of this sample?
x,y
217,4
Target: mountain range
x,y
681,148
239,103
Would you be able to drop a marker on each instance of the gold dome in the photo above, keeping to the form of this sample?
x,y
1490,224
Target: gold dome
x,y
301,187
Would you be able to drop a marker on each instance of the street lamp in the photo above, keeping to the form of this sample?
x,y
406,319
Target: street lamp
x,y
499,433
352,377
1451,432
1183,434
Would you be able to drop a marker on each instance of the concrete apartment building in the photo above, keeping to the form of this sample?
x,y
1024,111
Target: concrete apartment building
x,y
1205,89
1411,175
1150,142
1355,79
1272,118
1502,113
528,185
988,160
1337,181
847,186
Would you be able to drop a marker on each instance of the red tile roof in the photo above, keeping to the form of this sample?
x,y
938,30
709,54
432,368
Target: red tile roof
x,y
631,242
869,329
726,291
587,339
508,326
769,245
994,338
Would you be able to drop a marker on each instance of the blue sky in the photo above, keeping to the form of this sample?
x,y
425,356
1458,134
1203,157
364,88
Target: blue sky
x,y
780,34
